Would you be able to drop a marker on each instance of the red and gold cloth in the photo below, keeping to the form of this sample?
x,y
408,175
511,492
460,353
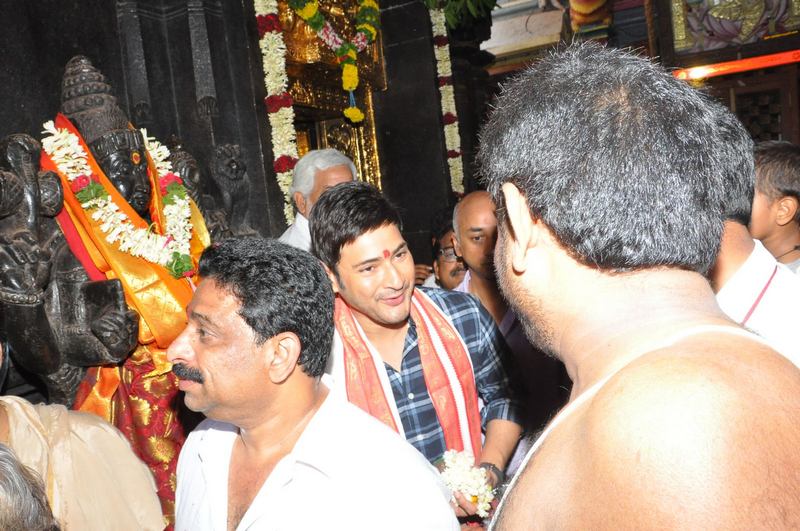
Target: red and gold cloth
x,y
446,367
139,396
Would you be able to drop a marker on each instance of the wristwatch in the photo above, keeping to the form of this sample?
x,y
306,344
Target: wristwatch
x,y
489,467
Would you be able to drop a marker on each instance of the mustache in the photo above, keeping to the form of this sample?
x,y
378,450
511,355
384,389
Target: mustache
x,y
185,372
457,271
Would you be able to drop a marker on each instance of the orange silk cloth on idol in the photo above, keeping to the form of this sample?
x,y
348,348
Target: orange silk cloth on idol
x,y
364,387
137,396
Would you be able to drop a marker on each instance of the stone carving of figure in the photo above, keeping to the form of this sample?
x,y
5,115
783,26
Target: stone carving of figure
x,y
229,172
186,166
56,322
94,283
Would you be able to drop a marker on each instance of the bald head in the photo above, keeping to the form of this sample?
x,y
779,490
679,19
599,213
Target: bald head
x,y
472,209
475,232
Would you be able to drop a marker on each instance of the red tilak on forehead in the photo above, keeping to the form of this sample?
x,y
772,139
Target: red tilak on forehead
x,y
386,254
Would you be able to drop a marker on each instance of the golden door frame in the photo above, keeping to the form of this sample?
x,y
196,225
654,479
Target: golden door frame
x,y
315,86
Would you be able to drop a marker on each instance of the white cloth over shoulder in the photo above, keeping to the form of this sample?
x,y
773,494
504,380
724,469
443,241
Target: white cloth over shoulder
x,y
298,234
346,471
775,316
92,477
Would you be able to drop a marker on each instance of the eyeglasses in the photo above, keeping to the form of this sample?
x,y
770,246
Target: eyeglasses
x,y
448,254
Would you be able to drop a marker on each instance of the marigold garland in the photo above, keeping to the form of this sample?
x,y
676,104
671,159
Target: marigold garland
x,y
367,25
170,249
452,137
278,101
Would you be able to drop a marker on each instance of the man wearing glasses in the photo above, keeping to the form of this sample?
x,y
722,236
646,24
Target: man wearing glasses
x,y
448,268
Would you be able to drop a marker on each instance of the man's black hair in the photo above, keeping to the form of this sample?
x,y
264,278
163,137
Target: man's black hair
x,y
281,289
345,212
625,164
778,170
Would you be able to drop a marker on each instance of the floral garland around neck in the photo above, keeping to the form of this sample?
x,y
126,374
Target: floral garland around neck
x,y
367,25
171,249
278,101
444,70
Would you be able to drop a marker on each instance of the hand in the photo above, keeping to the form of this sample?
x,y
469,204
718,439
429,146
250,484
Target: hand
x,y
118,330
462,506
421,273
20,259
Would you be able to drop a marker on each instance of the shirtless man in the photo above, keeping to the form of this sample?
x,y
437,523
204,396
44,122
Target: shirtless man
x,y
607,175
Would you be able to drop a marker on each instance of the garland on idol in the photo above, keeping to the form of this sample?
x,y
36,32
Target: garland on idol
x,y
278,101
452,137
170,249
367,25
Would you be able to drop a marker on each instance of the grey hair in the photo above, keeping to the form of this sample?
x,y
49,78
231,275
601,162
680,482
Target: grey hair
x,y
23,502
316,160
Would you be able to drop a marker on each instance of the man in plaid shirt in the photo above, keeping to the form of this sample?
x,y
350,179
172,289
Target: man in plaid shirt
x,y
387,330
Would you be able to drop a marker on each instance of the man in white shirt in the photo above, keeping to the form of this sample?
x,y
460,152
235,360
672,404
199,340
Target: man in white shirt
x,y
314,173
776,204
278,451
752,288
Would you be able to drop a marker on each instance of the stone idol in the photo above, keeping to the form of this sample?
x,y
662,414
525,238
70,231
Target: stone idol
x,y
101,228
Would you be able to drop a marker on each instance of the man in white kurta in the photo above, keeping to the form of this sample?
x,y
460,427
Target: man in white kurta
x,y
763,296
314,173
92,477
279,451
346,471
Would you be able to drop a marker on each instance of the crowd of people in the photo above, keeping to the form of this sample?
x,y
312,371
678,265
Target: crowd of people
x,y
608,332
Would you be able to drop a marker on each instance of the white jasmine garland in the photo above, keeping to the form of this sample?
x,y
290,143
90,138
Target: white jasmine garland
x,y
447,101
65,150
460,474
281,122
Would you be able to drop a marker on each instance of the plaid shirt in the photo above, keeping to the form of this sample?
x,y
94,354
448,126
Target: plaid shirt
x,y
486,348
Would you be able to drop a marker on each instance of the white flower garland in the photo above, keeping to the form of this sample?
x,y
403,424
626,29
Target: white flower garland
x,y
281,120
452,137
460,474
65,150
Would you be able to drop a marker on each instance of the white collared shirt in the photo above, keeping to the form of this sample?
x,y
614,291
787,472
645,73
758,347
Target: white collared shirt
x,y
298,234
774,317
346,471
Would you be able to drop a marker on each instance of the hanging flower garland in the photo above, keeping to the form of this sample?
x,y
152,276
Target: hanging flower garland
x,y
278,101
452,137
367,25
170,249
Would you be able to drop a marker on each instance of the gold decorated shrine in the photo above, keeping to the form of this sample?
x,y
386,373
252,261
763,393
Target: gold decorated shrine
x,y
315,84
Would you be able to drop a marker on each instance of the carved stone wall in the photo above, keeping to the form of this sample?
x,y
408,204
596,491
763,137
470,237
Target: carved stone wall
x,y
189,68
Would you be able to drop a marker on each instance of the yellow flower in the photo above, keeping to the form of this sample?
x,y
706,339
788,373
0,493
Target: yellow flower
x,y
354,114
349,77
369,29
308,11
370,3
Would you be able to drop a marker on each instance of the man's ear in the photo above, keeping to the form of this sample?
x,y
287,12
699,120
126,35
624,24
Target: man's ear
x,y
332,278
522,232
300,203
456,245
787,210
285,353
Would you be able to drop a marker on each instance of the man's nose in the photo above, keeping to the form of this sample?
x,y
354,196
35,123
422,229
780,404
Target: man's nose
x,y
393,277
179,348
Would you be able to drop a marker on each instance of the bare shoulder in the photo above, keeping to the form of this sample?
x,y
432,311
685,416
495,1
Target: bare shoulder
x,y
705,434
